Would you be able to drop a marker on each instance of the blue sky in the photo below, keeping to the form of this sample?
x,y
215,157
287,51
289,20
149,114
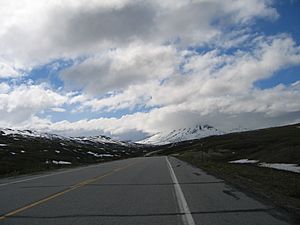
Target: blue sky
x,y
289,12
286,23
95,68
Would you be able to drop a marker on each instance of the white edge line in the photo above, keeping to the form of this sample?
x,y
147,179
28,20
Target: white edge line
x,y
187,217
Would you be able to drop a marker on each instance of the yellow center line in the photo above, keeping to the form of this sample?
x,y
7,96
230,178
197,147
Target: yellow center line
x,y
74,187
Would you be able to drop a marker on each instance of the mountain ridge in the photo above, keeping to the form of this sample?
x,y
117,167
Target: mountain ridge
x,y
33,133
181,134
25,151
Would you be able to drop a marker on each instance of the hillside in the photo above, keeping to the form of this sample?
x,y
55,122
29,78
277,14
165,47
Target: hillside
x,y
277,144
263,162
23,151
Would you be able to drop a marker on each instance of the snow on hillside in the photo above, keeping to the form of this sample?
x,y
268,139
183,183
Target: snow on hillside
x,y
61,162
26,150
282,166
244,161
31,133
99,155
181,134
102,139
291,167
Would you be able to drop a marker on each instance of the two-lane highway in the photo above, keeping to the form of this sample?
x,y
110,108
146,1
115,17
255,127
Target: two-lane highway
x,y
154,190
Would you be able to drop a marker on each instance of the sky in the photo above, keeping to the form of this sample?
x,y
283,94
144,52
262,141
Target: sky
x,y
132,68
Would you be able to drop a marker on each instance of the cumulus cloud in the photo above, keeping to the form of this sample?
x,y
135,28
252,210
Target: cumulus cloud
x,y
162,64
57,109
4,88
73,28
19,103
270,107
207,75
7,69
216,88
119,68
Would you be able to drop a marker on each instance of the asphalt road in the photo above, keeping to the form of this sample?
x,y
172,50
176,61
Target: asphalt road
x,y
155,190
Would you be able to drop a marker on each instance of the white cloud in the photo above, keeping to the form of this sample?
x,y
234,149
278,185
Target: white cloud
x,y
257,109
57,109
34,32
8,70
4,88
119,68
19,103
144,55
216,87
208,75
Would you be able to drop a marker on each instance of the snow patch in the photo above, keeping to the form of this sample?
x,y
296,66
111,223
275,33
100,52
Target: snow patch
x,y
242,161
282,166
100,139
99,155
57,151
61,162
3,145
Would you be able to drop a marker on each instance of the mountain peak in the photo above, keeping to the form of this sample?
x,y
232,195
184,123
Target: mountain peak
x,y
181,134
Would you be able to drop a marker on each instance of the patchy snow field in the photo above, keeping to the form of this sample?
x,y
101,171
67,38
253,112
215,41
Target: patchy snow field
x,y
282,166
61,162
278,166
242,161
100,155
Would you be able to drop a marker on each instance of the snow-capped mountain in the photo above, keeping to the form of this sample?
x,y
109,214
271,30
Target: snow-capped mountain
x,y
32,133
15,141
101,139
27,150
181,134
29,133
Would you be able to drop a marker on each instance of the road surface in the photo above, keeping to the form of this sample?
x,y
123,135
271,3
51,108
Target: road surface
x,y
138,191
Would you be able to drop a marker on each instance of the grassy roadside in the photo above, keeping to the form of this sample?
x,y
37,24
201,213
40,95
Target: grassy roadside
x,y
37,169
280,187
